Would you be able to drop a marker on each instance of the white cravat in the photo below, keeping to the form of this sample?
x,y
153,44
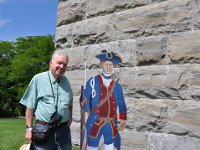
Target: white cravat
x,y
107,81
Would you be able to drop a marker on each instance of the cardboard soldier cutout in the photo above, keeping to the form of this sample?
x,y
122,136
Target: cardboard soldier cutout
x,y
103,98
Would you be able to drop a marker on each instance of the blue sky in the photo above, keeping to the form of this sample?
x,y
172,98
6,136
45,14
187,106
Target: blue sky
x,y
21,18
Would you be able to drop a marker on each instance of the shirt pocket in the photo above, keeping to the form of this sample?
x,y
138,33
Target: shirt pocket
x,y
65,100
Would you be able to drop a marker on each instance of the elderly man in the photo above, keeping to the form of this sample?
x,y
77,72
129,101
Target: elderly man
x,y
49,97
102,98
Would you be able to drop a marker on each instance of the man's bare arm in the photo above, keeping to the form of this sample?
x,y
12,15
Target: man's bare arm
x,y
29,124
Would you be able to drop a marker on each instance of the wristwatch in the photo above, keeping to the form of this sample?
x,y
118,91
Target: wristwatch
x,y
29,128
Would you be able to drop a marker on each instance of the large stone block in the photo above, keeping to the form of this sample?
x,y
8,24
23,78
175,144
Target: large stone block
x,y
184,118
133,140
184,47
165,116
171,82
150,115
151,50
102,7
70,11
172,142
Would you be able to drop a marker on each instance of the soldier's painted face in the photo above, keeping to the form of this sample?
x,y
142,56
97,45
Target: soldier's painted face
x,y
107,67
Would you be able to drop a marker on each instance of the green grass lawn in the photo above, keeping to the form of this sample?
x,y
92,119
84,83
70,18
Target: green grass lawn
x,y
12,133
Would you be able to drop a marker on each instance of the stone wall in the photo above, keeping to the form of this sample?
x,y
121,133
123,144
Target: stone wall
x,y
159,41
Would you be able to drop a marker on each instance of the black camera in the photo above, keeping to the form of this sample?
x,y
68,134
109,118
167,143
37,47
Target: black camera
x,y
55,120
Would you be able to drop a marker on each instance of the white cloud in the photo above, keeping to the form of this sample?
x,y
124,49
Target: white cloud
x,y
4,21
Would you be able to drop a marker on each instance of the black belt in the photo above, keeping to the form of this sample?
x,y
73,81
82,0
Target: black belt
x,y
46,123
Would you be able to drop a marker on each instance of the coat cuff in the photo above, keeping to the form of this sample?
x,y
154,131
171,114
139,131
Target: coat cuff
x,y
123,116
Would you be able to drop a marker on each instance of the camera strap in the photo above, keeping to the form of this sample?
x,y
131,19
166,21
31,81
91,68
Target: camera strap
x,y
55,101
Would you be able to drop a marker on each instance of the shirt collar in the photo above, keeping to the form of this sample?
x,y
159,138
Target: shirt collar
x,y
53,80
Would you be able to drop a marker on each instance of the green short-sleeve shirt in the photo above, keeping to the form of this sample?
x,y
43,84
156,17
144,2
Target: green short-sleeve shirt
x,y
39,96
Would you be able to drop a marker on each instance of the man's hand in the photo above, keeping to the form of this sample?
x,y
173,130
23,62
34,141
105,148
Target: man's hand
x,y
122,125
28,136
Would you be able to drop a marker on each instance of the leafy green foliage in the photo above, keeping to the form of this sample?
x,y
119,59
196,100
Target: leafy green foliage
x,y
19,62
7,52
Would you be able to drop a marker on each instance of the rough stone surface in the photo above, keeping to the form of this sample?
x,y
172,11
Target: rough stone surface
x,y
171,142
158,41
152,50
155,19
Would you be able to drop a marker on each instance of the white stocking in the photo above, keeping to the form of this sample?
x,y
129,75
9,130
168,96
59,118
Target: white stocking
x,y
109,147
92,148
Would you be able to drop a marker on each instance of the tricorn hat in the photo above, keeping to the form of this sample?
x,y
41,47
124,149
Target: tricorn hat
x,y
111,56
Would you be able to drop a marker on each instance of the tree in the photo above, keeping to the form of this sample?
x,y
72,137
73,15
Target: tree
x,y
7,52
23,59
